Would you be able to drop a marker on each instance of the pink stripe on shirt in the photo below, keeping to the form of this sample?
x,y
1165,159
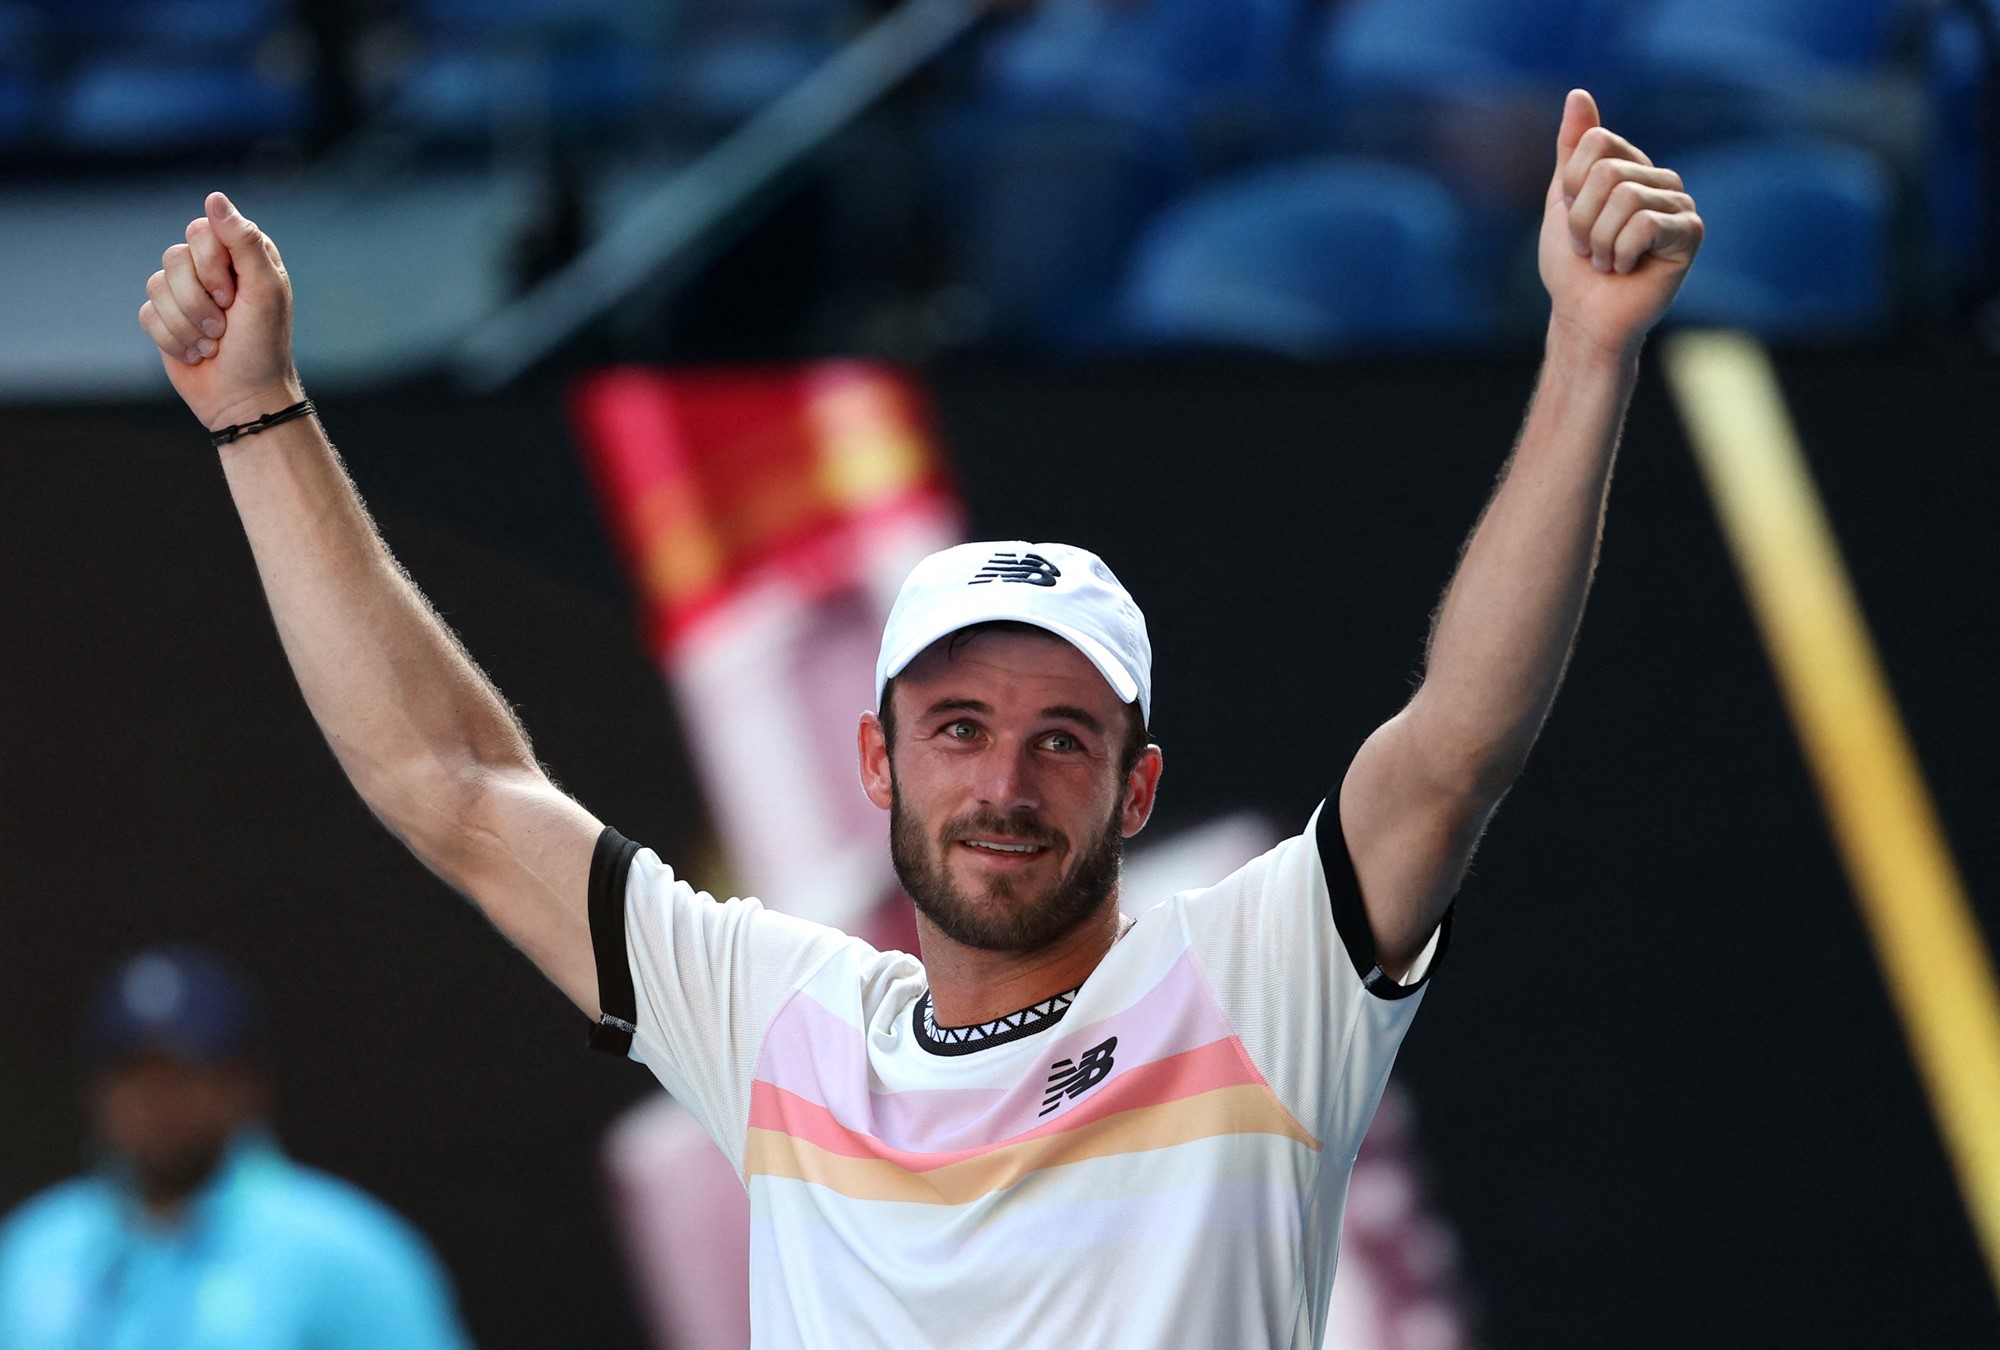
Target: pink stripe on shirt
x,y
812,1054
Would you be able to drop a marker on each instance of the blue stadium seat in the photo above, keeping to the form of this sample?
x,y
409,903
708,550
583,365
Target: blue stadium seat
x,y
1150,60
1042,208
167,26
21,29
1764,42
1960,155
1308,257
465,94
1470,89
728,58
128,104
1455,47
1799,240
475,19
18,100
724,77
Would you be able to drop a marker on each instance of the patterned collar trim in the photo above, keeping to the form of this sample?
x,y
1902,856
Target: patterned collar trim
x,y
1001,1030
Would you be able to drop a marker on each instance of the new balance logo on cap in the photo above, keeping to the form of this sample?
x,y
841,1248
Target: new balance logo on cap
x,y
1063,589
1032,568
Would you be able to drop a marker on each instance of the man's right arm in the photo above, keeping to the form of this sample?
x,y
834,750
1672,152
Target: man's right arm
x,y
422,734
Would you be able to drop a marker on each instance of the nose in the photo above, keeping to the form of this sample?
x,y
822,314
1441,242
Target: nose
x,y
1006,781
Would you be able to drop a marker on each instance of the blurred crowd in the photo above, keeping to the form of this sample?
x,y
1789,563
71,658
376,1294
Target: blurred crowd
x,y
1294,175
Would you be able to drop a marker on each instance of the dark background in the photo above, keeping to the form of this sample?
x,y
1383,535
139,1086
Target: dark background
x,y
1661,1091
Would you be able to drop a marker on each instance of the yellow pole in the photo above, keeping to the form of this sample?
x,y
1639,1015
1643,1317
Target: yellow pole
x,y
1913,903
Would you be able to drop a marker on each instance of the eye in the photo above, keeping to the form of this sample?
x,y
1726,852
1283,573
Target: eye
x,y
1062,740
960,730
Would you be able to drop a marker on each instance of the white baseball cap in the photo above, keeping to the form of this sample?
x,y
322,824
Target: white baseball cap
x,y
1066,590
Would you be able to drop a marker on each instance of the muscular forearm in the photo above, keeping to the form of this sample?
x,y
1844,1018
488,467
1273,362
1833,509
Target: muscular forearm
x,y
1617,236
411,718
1503,632
434,751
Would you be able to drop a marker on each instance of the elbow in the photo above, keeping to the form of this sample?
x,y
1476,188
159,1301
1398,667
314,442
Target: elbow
x,y
1473,769
1489,777
442,812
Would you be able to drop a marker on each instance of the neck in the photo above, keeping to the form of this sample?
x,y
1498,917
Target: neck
x,y
164,1192
970,985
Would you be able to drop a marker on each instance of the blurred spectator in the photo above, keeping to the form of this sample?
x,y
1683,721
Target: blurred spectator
x,y
196,1230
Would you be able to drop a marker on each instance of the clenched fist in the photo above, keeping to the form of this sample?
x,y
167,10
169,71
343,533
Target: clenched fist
x,y
220,308
1618,233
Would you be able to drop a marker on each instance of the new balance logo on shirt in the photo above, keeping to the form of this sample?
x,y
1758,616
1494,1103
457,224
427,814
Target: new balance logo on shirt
x,y
1031,568
1073,1078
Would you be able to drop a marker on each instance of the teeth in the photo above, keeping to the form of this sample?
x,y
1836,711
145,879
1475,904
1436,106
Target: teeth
x,y
1004,848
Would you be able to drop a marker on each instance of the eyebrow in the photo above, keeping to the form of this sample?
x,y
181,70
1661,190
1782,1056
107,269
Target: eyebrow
x,y
1070,713
1067,712
945,705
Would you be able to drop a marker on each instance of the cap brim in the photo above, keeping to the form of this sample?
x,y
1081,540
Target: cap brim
x,y
1120,679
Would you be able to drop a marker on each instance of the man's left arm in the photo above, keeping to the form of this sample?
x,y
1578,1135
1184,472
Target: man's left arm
x,y
1617,237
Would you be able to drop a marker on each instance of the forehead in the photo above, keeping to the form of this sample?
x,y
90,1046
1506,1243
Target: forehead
x,y
1001,665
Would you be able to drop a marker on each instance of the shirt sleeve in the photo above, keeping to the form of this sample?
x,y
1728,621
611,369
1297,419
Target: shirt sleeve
x,y
1287,949
707,977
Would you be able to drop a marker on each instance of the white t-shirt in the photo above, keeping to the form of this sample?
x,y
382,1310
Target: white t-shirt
x,y
1159,1159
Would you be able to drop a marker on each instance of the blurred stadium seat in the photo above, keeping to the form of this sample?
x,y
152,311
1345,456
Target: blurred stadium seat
x,y
1459,47
729,58
20,67
1766,41
1155,61
166,26
142,102
1799,242
1314,257
1462,88
1042,207
483,66
461,94
1961,52
18,99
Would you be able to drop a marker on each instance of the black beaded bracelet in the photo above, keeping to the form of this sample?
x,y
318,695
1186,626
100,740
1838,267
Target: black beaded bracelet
x,y
223,437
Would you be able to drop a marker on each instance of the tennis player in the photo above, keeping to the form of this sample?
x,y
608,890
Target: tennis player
x,y
1068,1123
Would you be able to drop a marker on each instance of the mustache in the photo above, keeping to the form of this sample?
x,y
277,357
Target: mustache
x,y
983,824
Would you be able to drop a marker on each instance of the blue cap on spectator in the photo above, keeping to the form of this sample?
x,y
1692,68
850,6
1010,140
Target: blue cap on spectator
x,y
183,1001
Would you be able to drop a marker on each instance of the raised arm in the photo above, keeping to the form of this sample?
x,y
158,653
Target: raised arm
x,y
1617,237
422,734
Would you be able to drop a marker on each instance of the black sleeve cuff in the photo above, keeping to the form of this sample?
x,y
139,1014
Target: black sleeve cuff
x,y
610,864
1350,916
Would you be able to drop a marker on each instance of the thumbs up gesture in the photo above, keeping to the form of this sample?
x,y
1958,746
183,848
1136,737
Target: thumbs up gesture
x,y
1618,233
220,309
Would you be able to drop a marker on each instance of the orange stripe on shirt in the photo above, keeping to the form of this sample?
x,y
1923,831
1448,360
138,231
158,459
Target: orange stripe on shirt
x,y
1218,1064
1244,1109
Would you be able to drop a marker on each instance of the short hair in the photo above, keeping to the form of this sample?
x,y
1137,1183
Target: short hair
x,y
1137,737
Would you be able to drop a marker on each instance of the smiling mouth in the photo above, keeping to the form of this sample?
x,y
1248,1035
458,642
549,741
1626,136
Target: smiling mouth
x,y
1004,846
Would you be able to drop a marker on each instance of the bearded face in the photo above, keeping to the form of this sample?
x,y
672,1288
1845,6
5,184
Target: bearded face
x,y
999,911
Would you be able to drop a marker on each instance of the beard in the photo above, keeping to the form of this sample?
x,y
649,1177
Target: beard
x,y
1012,916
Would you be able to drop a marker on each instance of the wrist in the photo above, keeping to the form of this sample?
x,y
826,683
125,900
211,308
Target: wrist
x,y
266,398
1570,344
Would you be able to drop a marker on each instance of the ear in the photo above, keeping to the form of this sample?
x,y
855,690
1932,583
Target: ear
x,y
872,743
1142,787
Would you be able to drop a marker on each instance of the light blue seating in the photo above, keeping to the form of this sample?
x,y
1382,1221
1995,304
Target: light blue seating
x,y
1457,47
1149,60
1799,238
1042,209
19,97
165,27
1762,42
1308,257
138,103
